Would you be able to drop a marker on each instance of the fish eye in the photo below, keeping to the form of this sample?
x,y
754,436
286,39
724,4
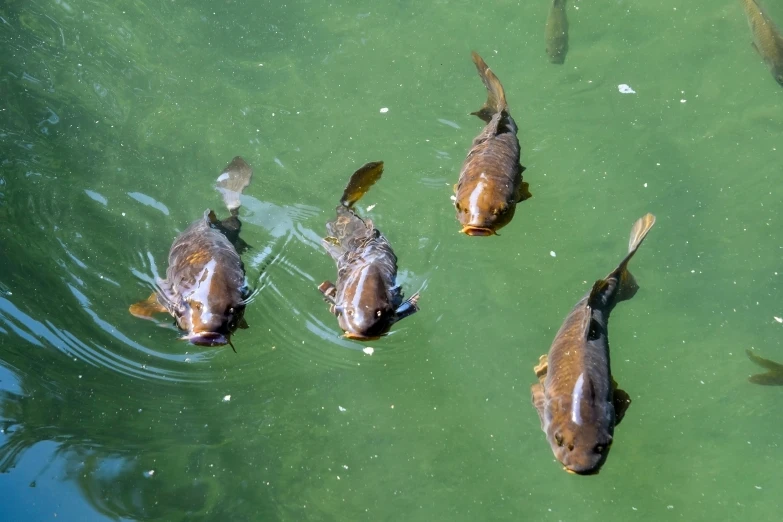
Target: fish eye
x,y
231,310
559,439
599,448
350,312
571,446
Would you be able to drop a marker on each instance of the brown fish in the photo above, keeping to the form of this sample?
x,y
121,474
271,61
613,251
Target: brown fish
x,y
556,32
577,399
490,184
773,377
766,38
367,300
205,288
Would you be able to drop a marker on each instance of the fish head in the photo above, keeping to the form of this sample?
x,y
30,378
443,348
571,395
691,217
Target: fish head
x,y
367,321
581,441
484,215
211,323
364,310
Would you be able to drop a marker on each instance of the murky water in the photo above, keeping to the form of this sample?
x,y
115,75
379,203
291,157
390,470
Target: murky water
x,y
115,119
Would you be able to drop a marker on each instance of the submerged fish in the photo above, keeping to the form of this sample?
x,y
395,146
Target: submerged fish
x,y
205,288
556,32
766,38
577,399
773,377
490,184
367,301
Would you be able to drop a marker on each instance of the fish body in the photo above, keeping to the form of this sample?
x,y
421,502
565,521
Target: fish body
x,y
366,300
766,38
556,32
490,183
205,288
576,398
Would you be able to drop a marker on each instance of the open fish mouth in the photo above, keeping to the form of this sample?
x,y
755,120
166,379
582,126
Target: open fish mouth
x,y
477,231
206,339
359,337
593,471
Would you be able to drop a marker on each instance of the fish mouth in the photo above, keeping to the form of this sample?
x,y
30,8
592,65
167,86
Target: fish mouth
x,y
477,231
206,339
593,471
359,337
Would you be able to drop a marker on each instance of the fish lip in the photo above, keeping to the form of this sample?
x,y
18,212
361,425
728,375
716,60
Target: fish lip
x,y
593,471
359,337
206,339
477,231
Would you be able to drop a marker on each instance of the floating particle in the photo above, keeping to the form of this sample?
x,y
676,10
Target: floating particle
x,y
552,253
368,350
645,185
341,408
371,207
384,110
150,473
227,398
624,88
779,319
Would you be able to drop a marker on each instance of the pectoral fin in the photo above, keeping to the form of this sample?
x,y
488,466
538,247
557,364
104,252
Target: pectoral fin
x,y
409,307
147,308
524,191
242,324
621,402
329,291
541,368
539,401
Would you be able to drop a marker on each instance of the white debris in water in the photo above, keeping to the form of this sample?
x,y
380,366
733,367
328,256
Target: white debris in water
x,y
227,398
384,110
345,467
368,350
683,101
453,197
371,207
552,253
341,408
779,319
624,88
148,474
669,507
758,487
645,185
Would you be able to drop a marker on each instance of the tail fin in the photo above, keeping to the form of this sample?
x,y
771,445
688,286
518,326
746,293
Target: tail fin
x,y
360,182
628,286
496,96
232,181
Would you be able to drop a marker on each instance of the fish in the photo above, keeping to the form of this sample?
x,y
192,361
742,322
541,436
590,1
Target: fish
x,y
766,38
774,375
490,183
577,400
367,299
205,289
556,32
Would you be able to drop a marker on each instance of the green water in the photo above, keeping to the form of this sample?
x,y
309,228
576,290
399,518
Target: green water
x,y
115,118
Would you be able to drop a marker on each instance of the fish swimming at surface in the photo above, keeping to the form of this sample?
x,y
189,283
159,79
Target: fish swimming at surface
x,y
205,288
490,183
366,300
766,38
577,400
